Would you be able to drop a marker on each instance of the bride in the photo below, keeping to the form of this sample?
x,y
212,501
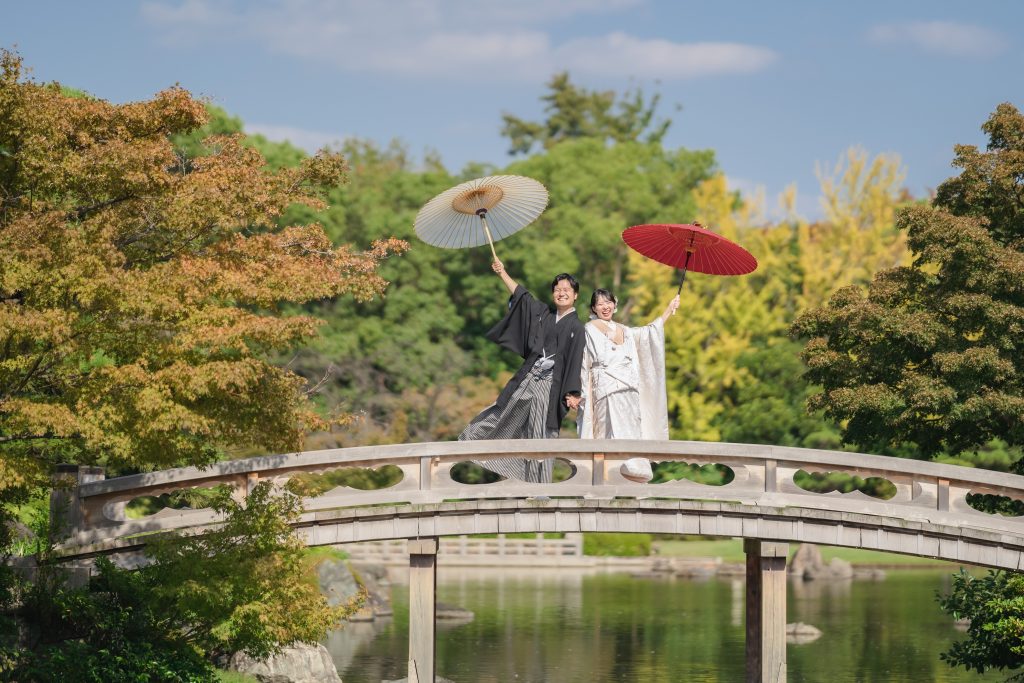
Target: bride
x,y
623,378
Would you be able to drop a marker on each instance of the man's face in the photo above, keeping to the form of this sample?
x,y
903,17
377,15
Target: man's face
x,y
563,294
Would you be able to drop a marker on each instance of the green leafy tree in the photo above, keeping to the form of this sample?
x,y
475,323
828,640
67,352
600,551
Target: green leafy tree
x,y
993,606
930,356
575,112
243,586
396,360
108,632
769,408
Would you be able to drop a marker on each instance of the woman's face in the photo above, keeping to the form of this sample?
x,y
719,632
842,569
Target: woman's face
x,y
604,308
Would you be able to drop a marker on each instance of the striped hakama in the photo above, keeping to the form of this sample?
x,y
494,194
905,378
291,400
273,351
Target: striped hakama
x,y
524,416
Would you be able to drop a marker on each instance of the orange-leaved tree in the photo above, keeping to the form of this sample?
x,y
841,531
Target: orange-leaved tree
x,y
141,289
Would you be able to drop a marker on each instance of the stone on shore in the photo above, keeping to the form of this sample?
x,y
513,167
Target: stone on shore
x,y
300,663
799,633
808,564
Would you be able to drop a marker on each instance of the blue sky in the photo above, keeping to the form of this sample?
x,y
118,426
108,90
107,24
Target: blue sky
x,y
773,87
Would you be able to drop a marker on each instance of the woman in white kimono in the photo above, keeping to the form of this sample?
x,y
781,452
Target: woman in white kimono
x,y
623,379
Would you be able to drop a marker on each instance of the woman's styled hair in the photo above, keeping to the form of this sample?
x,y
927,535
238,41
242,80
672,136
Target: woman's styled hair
x,y
569,278
598,293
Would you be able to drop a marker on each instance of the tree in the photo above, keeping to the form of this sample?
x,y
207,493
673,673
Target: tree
x,y
145,277
396,360
768,407
243,586
192,144
141,289
574,112
726,351
993,605
416,364
931,354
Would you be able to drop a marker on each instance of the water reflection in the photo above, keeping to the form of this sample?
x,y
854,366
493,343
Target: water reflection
x,y
551,625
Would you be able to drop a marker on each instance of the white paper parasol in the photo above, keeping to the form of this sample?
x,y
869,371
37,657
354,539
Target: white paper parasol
x,y
481,211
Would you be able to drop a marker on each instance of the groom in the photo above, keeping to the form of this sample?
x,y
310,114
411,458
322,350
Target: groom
x,y
537,398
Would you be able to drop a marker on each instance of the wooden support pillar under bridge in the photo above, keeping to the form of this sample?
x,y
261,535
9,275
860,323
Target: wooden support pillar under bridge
x,y
766,610
422,609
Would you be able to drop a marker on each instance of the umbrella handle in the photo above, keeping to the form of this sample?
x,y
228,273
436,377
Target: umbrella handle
x,y
681,281
487,231
686,265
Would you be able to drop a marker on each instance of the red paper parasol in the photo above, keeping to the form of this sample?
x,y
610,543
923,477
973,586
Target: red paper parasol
x,y
690,247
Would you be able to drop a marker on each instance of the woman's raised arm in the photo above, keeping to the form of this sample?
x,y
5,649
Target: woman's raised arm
x,y
670,309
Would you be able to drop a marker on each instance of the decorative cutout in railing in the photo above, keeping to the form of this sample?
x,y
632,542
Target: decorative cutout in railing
x,y
473,474
196,498
709,474
313,484
827,482
996,505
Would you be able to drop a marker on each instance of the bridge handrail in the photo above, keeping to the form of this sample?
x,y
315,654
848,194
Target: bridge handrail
x,y
456,451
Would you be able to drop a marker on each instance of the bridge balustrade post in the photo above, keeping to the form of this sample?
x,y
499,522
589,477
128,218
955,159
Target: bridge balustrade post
x,y
67,512
426,472
766,611
598,469
422,609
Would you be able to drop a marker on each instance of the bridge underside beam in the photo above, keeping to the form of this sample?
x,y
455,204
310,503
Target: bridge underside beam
x,y
766,611
934,539
961,539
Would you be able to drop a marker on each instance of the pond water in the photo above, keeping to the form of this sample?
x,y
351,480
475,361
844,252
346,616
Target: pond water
x,y
535,625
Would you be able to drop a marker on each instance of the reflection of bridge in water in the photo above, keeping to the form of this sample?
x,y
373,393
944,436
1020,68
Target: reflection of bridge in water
x,y
928,516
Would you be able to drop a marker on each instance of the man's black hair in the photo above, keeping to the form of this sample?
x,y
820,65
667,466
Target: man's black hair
x,y
565,276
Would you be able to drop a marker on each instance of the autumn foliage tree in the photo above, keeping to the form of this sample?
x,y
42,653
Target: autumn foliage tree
x,y
148,278
141,288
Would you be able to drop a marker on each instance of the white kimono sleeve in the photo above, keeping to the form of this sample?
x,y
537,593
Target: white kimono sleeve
x,y
650,351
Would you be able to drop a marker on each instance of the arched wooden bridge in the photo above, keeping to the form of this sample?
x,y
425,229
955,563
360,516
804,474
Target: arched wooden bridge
x,y
929,515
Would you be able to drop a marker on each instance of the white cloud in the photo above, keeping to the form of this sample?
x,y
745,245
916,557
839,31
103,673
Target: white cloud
x,y
471,40
941,37
619,54
309,140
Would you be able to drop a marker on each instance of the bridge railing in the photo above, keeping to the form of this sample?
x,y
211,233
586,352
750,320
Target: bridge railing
x,y
762,475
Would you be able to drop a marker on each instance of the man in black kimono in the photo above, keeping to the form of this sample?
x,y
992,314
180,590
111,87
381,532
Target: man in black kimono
x,y
546,386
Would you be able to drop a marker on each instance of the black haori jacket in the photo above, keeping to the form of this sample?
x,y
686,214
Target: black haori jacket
x,y
529,329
